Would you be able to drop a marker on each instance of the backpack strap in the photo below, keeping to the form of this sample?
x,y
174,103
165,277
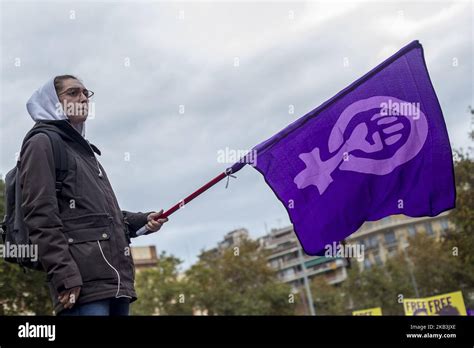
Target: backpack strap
x,y
59,154
60,158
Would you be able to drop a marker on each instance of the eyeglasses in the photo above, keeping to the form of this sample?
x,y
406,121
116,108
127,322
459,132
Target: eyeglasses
x,y
75,91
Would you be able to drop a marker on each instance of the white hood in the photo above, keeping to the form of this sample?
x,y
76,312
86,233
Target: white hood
x,y
44,105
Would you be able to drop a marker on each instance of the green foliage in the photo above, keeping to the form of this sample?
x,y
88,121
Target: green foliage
x,y
220,283
381,286
21,293
160,291
327,299
238,282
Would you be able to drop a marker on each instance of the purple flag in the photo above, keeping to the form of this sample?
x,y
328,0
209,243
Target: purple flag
x,y
378,148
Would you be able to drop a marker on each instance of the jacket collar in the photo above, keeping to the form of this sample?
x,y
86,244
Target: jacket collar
x,y
68,131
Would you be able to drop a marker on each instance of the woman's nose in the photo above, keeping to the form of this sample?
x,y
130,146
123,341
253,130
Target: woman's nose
x,y
82,97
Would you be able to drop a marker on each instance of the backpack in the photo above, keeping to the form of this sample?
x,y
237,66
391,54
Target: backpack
x,y
14,232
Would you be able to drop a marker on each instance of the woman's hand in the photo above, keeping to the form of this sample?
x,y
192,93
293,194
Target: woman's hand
x,y
154,225
69,297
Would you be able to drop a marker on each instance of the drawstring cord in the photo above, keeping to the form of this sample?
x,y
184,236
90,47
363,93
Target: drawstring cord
x,y
228,172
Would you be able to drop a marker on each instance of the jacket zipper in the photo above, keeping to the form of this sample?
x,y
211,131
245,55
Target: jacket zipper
x,y
95,158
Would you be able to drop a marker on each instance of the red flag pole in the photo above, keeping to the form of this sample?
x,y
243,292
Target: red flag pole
x,y
188,199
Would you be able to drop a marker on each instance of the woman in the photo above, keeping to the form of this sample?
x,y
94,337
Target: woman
x,y
82,235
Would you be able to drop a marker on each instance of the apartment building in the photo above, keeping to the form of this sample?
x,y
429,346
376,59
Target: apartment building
x,y
387,236
144,256
380,239
290,261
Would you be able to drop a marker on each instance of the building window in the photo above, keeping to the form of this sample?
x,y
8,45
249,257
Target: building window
x,y
276,263
411,230
287,273
286,245
390,237
429,229
290,257
372,242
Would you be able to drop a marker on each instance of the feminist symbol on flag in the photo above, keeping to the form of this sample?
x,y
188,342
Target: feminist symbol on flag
x,y
389,130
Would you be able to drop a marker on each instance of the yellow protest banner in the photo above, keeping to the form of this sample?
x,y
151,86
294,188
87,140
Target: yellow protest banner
x,y
445,304
369,311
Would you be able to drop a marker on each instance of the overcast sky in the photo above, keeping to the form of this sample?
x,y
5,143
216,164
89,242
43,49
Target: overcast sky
x,y
234,69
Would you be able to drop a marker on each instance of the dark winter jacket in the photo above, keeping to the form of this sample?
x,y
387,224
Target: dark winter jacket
x,y
82,234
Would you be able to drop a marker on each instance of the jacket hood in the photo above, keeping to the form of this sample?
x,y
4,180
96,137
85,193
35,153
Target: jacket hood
x,y
44,105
